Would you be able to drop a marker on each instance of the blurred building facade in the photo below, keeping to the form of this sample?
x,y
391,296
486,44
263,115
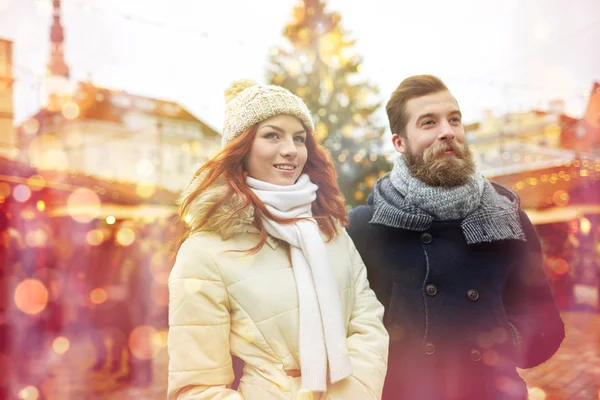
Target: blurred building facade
x,y
518,142
111,134
115,135
8,140
552,161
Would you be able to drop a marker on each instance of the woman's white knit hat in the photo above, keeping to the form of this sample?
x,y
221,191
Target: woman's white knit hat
x,y
249,103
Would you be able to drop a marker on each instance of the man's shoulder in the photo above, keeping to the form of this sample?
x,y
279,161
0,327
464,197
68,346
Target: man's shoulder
x,y
360,215
506,192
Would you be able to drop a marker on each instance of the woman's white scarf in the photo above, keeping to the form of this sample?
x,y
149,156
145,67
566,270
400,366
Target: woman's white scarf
x,y
322,332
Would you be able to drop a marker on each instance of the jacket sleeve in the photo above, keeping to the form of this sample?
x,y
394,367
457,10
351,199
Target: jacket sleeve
x,y
368,340
533,316
199,322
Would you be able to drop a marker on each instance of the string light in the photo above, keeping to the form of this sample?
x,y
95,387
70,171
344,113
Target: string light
x,y
563,174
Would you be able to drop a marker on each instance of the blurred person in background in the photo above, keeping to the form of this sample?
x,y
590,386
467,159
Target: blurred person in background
x,y
6,260
108,316
137,278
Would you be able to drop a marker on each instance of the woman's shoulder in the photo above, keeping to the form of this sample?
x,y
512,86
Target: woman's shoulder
x,y
341,238
200,248
213,242
193,256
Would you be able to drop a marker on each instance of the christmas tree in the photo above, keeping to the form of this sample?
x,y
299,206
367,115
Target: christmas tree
x,y
319,65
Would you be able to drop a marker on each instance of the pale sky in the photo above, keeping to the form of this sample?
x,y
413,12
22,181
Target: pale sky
x,y
510,55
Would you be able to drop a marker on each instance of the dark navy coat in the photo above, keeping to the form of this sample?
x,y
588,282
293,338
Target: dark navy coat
x,y
461,317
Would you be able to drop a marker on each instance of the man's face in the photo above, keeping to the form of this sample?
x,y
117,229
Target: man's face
x,y
435,147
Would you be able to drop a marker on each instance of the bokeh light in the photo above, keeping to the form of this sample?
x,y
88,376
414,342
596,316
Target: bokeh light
x,y
31,296
125,236
21,193
28,214
485,340
519,185
94,237
83,205
330,45
60,345
70,110
110,220
98,296
161,339
560,198
36,238
560,266
499,335
36,182
142,342
145,189
585,226
29,393
491,357
536,393
31,126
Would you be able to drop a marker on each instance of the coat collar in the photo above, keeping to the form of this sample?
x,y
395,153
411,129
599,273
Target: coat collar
x,y
221,222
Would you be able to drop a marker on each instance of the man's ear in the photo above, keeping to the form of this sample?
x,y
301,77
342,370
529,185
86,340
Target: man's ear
x,y
399,143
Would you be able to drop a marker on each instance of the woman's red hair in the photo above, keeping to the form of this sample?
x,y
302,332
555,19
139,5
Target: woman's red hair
x,y
327,209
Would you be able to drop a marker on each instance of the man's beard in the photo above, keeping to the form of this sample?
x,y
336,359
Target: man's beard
x,y
435,169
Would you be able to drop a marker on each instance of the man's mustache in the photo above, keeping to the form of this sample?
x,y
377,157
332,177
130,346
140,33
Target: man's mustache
x,y
439,148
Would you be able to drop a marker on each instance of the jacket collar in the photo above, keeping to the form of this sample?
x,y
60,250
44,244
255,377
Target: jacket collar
x,y
221,222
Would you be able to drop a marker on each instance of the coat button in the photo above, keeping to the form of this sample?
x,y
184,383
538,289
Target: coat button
x,y
431,290
429,348
473,294
475,355
426,238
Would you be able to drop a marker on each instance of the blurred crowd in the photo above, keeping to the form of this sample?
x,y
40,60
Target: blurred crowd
x,y
103,281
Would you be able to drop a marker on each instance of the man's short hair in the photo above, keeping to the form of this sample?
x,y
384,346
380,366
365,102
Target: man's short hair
x,y
411,87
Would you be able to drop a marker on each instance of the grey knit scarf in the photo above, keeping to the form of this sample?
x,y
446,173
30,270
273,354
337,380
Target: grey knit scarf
x,y
488,212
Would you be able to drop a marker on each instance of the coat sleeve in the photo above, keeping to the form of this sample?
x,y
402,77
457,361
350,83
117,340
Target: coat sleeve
x,y
199,322
367,342
533,316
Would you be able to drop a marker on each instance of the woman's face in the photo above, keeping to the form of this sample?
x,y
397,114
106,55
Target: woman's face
x,y
278,153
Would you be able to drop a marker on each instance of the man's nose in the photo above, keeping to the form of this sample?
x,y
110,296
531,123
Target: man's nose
x,y
446,132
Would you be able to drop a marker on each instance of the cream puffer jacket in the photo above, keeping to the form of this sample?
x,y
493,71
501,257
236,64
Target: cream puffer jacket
x,y
225,303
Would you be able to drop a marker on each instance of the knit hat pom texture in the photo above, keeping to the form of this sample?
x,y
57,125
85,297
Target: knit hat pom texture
x,y
237,87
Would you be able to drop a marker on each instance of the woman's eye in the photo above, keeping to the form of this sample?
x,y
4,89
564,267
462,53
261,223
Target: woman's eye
x,y
300,139
271,135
